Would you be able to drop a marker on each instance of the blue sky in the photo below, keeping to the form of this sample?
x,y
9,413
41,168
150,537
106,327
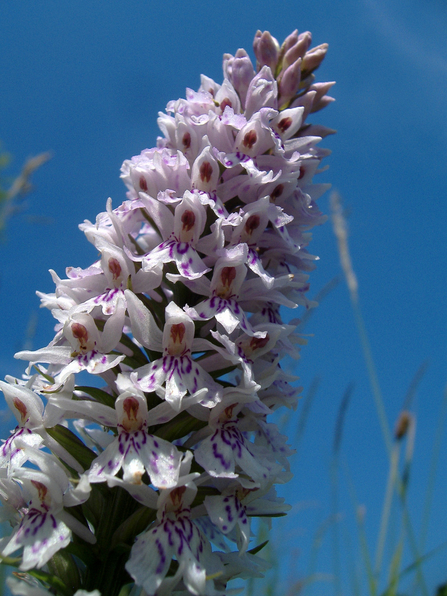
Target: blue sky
x,y
86,80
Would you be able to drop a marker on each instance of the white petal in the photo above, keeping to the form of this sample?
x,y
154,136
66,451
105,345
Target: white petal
x,y
144,328
41,536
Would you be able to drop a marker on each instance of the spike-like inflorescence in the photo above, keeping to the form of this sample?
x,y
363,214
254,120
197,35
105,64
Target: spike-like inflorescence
x,y
150,472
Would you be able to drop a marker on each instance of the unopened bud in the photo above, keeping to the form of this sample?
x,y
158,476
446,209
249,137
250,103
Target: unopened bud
x,y
321,100
240,73
321,89
290,41
324,101
298,50
289,83
305,39
266,49
317,130
306,101
314,58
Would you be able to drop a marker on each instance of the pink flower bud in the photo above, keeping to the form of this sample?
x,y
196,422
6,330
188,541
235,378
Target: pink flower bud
x,y
266,50
290,82
306,101
298,50
314,58
321,100
289,41
239,70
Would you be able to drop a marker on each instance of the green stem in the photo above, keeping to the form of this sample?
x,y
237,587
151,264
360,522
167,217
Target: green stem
x,y
432,472
109,574
386,509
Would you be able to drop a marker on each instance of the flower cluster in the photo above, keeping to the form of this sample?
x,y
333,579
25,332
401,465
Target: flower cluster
x,y
151,471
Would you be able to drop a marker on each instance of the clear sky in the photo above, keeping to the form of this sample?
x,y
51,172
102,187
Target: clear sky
x,y
86,80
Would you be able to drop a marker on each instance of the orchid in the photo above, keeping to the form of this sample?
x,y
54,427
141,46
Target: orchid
x,y
152,474
45,525
177,368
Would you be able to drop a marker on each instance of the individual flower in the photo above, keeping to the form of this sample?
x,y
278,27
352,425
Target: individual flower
x,y
226,511
227,453
176,373
89,349
135,451
28,408
28,586
174,535
181,242
45,526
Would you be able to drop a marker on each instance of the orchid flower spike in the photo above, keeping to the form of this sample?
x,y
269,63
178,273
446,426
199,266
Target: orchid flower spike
x,y
144,445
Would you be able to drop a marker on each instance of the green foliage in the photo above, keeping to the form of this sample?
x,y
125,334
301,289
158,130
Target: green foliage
x,y
384,573
14,189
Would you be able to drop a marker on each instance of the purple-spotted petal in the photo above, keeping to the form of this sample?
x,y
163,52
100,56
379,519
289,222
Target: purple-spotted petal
x,y
227,451
41,535
226,511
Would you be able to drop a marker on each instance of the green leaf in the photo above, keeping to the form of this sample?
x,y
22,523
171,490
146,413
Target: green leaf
x,y
267,515
110,576
137,353
180,426
94,507
134,525
52,580
101,396
133,363
12,561
44,375
72,444
202,492
126,590
257,549
63,566
84,554
157,309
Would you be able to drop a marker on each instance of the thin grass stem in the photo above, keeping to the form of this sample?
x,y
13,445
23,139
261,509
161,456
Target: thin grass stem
x,y
336,565
305,411
386,509
437,443
338,435
359,515
340,231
